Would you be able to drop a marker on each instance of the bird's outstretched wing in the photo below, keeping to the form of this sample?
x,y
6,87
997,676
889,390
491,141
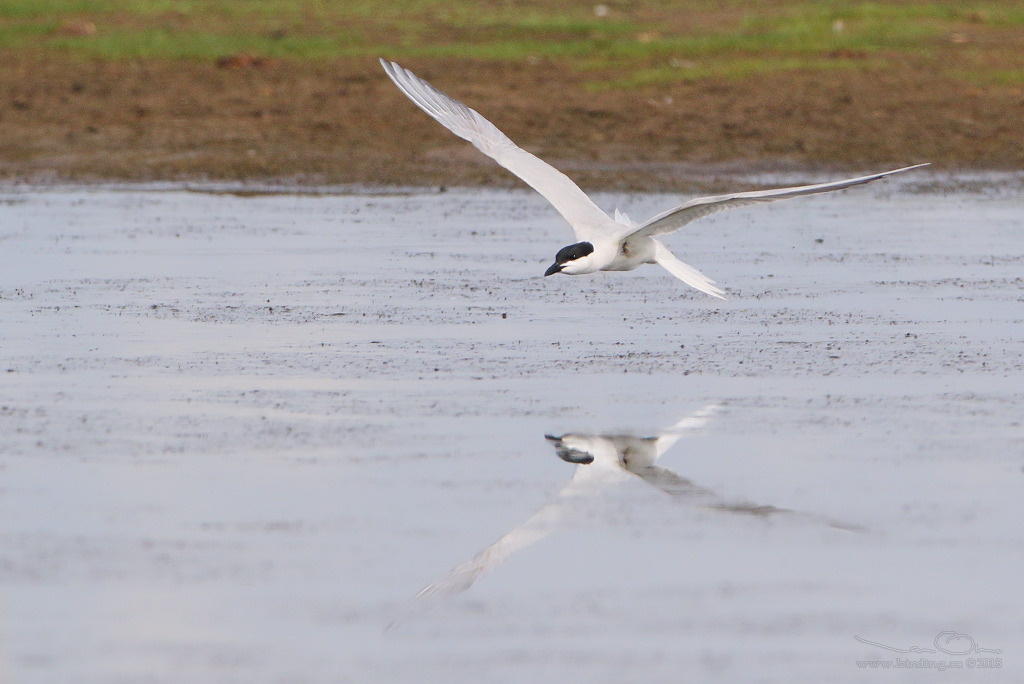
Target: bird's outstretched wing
x,y
674,219
686,491
689,422
572,203
553,515
673,484
461,577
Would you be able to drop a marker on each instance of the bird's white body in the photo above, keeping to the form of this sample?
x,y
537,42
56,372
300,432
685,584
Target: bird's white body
x,y
603,243
621,252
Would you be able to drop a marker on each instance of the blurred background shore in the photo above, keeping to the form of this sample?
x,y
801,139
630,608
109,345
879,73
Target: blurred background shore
x,y
624,95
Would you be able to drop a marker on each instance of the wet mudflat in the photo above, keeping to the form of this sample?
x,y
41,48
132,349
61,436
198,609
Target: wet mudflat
x,y
239,434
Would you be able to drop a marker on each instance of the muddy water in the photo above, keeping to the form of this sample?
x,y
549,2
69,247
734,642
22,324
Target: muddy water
x,y
238,435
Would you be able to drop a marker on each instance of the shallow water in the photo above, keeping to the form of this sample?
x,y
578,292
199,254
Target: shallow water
x,y
238,435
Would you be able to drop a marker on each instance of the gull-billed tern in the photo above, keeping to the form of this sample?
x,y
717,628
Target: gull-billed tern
x,y
603,243
602,461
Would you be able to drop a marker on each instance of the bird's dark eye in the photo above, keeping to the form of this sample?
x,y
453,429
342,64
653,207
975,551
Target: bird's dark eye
x,y
573,252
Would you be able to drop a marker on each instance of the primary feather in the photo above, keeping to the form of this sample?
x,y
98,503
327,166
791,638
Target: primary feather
x,y
674,219
571,202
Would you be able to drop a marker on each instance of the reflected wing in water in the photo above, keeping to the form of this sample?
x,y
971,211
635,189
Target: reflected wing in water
x,y
564,506
673,484
461,577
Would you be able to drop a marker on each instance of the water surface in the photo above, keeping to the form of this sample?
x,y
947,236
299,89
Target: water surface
x,y
238,435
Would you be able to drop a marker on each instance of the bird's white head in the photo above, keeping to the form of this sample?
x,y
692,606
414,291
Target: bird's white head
x,y
574,260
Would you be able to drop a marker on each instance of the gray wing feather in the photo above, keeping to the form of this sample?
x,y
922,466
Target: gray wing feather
x,y
572,203
676,218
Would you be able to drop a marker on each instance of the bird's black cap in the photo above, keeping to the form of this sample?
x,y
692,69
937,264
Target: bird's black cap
x,y
567,254
573,252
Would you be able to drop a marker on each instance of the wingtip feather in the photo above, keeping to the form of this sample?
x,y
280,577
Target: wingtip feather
x,y
905,168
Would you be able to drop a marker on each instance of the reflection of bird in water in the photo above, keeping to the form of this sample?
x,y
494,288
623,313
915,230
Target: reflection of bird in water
x,y
600,461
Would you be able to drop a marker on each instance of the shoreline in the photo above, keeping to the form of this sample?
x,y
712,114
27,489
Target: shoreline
x,y
344,123
683,179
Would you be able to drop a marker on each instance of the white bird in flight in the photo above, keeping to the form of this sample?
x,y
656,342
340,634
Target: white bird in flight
x,y
603,243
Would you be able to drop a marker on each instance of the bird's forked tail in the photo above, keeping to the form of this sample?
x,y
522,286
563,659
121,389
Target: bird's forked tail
x,y
688,274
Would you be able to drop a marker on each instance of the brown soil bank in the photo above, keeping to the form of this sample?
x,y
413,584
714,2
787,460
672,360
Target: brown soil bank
x,y
344,122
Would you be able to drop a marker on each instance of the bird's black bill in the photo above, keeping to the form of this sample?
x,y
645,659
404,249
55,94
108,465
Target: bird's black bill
x,y
569,455
574,456
555,268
